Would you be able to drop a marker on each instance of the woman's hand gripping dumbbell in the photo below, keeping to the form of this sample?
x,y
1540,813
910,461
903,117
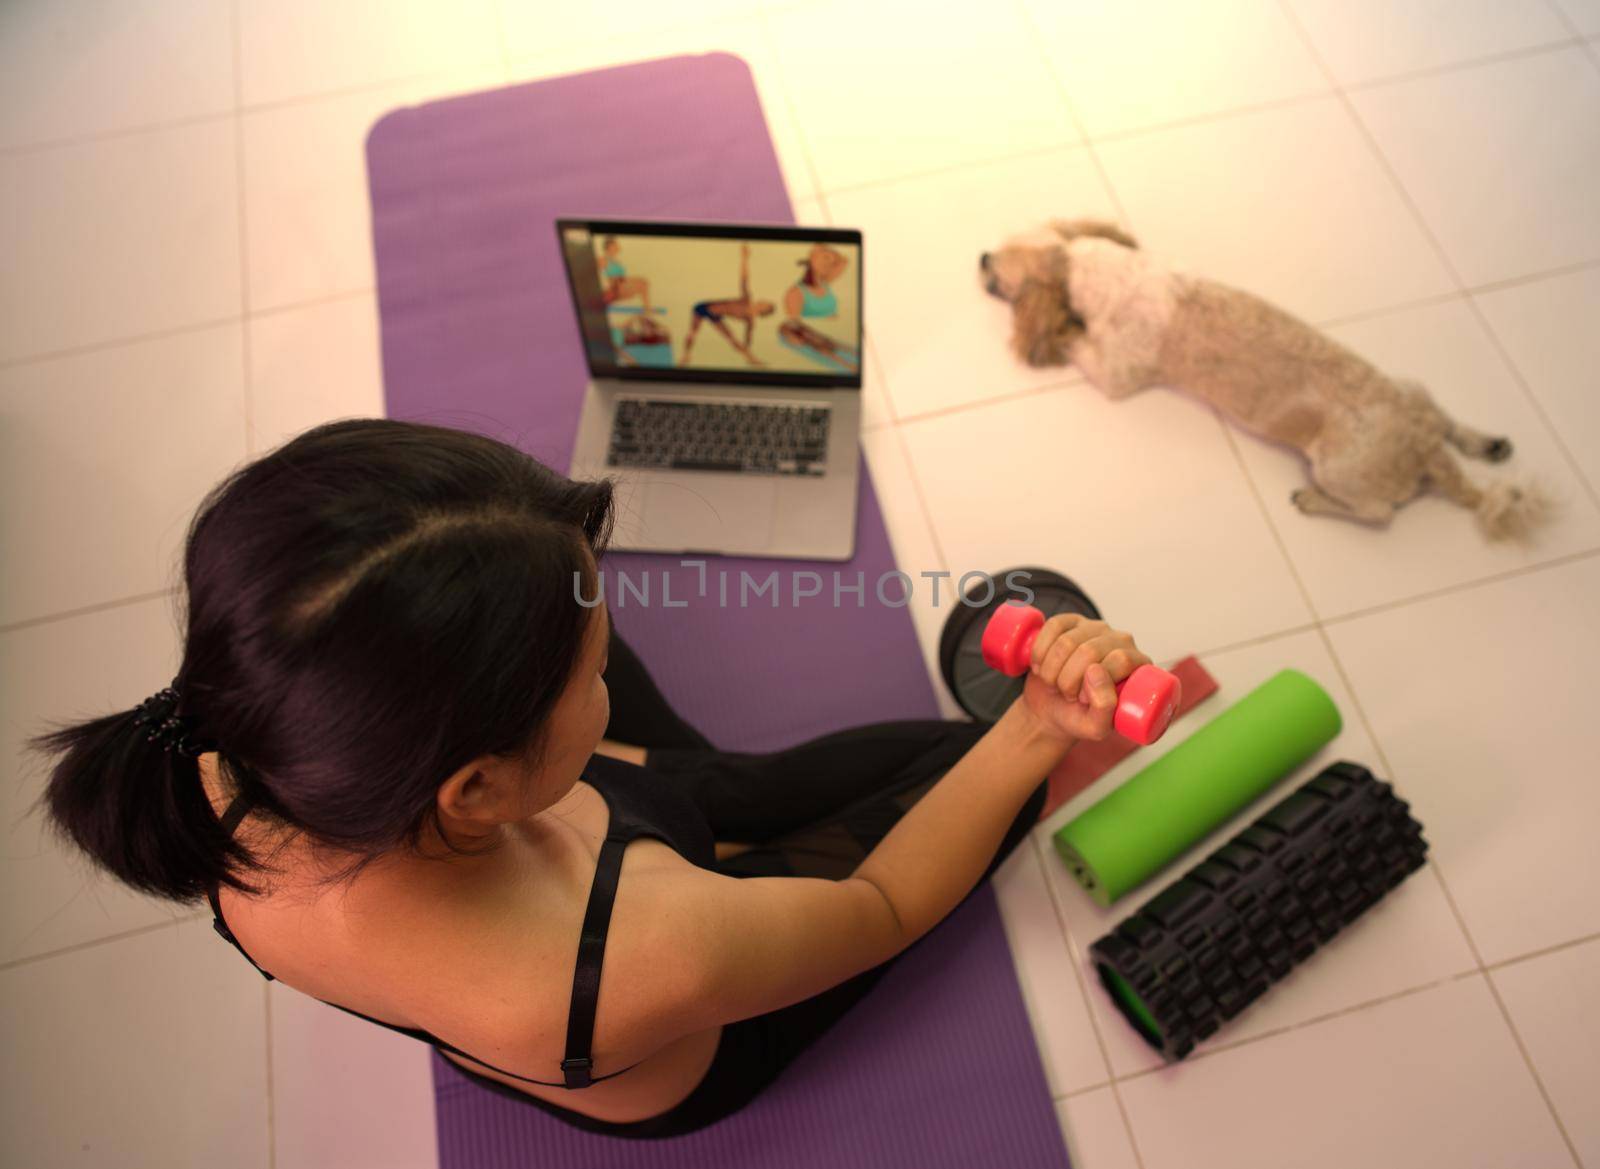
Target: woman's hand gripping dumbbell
x,y
1115,683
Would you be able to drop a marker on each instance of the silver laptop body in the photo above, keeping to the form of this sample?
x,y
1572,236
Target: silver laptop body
x,y
745,512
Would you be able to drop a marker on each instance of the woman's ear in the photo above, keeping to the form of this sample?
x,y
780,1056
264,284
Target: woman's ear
x,y
486,791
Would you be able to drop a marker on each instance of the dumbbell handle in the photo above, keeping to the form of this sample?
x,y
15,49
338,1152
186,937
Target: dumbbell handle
x,y
1146,699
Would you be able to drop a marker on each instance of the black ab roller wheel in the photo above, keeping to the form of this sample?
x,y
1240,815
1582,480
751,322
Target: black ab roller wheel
x,y
1213,942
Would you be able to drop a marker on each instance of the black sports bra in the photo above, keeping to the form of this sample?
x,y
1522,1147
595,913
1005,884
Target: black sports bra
x,y
641,804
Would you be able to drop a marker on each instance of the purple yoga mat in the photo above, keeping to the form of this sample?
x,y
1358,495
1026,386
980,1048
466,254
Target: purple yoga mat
x,y
938,1065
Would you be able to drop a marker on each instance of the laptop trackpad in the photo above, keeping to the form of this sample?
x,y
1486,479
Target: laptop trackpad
x,y
710,511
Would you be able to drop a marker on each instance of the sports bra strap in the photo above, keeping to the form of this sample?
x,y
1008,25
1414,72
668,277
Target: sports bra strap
x,y
591,953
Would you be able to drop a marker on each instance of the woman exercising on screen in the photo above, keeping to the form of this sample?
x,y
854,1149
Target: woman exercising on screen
x,y
615,283
743,309
812,296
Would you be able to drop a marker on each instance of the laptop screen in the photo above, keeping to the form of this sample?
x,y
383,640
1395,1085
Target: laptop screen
x,y
716,302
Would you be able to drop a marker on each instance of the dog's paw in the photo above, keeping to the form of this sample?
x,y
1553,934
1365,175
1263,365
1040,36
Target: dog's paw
x,y
1301,498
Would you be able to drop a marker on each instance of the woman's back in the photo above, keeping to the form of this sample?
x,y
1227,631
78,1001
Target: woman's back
x,y
481,952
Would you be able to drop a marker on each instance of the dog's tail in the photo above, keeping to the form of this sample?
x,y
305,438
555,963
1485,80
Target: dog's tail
x,y
1504,510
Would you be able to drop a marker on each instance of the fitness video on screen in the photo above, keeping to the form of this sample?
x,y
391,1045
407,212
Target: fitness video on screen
x,y
784,306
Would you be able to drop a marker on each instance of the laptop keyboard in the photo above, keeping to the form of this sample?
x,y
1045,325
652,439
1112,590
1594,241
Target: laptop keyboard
x,y
719,436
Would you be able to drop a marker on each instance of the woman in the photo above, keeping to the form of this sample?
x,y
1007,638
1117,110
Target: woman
x,y
812,296
615,283
390,758
743,309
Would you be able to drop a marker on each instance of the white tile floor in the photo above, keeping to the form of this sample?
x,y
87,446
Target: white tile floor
x,y
188,281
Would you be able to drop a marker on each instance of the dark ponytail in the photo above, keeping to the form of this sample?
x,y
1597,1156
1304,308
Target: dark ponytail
x,y
370,606
138,811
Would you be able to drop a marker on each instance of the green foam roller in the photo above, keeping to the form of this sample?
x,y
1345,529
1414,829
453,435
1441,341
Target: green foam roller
x,y
1129,835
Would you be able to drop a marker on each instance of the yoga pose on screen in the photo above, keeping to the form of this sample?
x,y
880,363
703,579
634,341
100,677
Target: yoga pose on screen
x,y
812,296
615,283
743,309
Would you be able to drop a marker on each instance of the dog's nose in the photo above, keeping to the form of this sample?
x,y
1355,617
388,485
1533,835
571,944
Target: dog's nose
x,y
983,261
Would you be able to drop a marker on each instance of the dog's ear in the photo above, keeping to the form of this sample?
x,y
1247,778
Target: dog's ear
x,y
1069,229
1044,325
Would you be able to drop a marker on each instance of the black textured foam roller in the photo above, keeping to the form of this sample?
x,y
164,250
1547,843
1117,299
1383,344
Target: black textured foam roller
x,y
1212,942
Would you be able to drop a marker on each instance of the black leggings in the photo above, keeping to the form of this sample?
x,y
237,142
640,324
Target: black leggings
x,y
812,810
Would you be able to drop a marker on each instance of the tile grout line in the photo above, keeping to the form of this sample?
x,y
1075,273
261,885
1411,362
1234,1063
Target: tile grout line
x,y
1455,277
1215,1049
1587,43
401,81
88,610
507,62
1246,643
45,145
1545,952
1549,274
1088,1007
1278,103
883,380
781,79
1272,527
1030,993
259,311
1076,1092
922,500
1403,306
1026,16
1389,771
78,947
1464,586
1071,381
1129,133
1532,398
673,27
127,340
274,310
1566,42
1462,292
244,232
84,350
1533,1070
1060,147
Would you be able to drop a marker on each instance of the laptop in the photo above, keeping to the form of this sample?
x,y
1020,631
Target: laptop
x,y
724,395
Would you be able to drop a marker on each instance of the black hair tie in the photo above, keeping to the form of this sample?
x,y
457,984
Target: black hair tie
x,y
174,732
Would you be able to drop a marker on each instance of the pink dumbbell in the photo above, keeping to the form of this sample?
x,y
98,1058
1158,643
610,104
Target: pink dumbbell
x,y
1146,699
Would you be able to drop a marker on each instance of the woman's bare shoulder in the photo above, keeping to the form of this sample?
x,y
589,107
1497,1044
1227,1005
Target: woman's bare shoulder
x,y
484,955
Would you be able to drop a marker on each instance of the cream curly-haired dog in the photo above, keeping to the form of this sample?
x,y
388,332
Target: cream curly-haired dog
x,y
1083,291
